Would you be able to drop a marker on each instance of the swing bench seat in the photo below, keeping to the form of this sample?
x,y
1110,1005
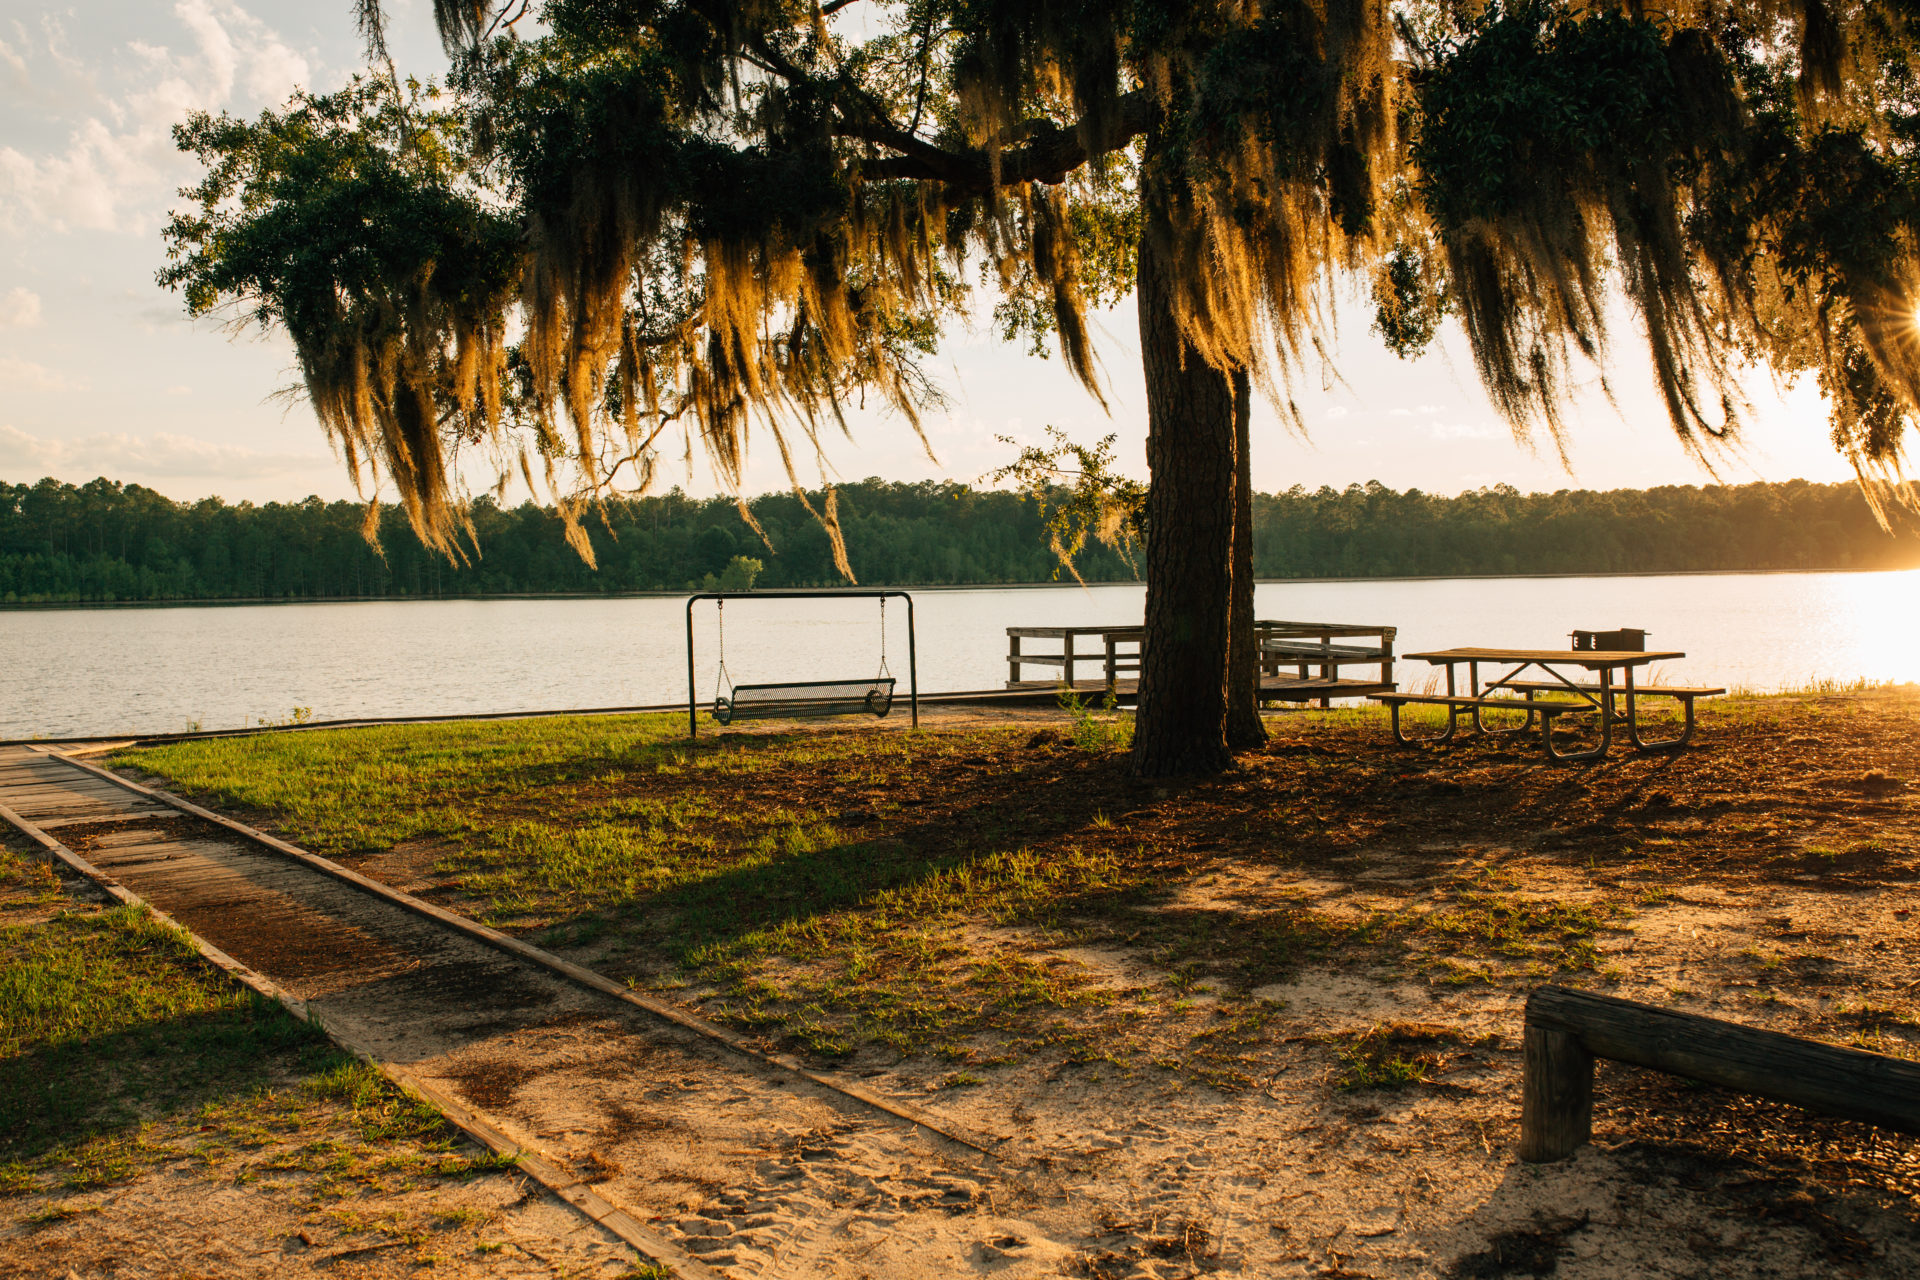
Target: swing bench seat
x,y
805,699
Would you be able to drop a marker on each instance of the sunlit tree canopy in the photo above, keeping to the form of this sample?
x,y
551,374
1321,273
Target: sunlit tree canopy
x,y
628,216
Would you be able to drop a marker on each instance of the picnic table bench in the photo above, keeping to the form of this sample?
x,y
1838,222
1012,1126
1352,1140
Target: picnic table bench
x,y
1598,694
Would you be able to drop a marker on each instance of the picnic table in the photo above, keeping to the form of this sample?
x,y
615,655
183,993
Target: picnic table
x,y
1595,681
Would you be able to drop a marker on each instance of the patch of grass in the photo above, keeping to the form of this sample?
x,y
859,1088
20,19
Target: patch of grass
x,y
1392,1056
382,1113
60,1212
1229,1051
1871,1016
121,1048
1483,917
1097,726
1250,948
108,1015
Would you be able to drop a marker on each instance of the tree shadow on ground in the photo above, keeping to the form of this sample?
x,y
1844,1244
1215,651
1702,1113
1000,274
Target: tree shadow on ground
x,y
1043,802
62,1095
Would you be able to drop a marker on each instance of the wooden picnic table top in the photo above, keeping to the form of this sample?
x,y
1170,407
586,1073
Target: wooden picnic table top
x,y
1592,659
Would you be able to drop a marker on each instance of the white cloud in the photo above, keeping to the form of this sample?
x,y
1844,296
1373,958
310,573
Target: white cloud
x,y
118,173
19,308
122,456
13,60
24,375
1468,431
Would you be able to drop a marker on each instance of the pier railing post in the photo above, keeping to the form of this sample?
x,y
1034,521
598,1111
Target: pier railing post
x,y
1556,1106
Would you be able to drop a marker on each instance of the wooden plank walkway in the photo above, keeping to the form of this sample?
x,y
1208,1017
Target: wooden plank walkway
x,y
586,1079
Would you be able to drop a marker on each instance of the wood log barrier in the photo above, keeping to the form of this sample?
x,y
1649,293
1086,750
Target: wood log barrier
x,y
1566,1030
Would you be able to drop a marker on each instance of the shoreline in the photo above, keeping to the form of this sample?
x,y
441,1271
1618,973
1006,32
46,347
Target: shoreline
x,y
31,606
960,700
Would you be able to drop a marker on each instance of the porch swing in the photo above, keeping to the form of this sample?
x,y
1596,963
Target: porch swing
x,y
798,699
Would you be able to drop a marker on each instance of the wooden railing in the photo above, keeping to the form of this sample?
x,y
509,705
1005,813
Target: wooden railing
x,y
1308,647
1115,650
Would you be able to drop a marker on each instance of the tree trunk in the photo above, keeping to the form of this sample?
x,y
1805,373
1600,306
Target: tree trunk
x,y
1190,511
1244,729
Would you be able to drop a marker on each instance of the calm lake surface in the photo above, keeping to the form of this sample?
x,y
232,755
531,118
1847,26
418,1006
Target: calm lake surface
x,y
70,672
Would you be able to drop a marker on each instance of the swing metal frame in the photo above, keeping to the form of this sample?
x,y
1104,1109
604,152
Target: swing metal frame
x,y
724,597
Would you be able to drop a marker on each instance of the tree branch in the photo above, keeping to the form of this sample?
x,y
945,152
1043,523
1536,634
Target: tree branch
x,y
1050,153
926,74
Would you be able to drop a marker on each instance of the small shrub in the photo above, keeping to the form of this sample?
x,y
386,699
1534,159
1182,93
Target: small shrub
x,y
1100,726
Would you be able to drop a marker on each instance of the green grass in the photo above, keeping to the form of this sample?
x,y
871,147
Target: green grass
x,y
833,890
912,892
107,1016
1096,726
121,1049
1483,916
342,790
1392,1056
778,873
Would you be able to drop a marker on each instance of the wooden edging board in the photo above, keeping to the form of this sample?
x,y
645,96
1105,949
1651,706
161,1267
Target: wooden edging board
x,y
1566,1030
985,1144
489,1132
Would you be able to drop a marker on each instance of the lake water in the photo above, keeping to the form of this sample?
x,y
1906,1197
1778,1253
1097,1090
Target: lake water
x,y
70,672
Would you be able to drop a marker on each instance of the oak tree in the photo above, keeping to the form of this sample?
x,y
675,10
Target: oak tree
x,y
641,218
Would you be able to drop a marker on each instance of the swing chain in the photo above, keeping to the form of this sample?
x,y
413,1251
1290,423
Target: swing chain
x,y
883,638
720,621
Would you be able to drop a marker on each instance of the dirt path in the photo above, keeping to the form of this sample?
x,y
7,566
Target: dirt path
x,y
749,1168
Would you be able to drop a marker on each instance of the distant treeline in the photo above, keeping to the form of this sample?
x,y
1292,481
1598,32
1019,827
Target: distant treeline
x,y
104,541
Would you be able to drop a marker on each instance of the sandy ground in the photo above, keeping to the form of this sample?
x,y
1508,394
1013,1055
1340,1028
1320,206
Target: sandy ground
x,y
184,1220
1115,1175
1119,1171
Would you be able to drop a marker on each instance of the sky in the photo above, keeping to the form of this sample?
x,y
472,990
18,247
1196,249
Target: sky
x,y
101,372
